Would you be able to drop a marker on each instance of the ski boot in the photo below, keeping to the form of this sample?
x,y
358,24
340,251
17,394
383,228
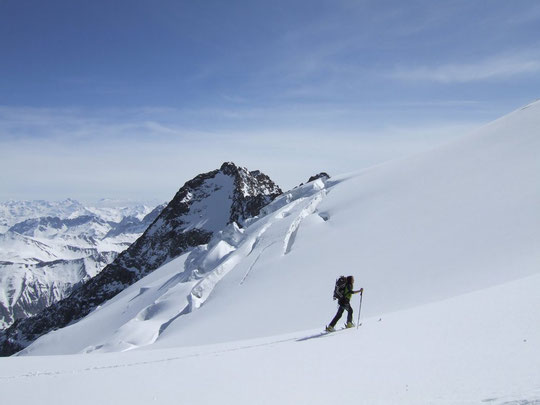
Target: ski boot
x,y
330,328
349,325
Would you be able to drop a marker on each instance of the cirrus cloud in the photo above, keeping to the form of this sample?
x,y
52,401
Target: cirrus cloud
x,y
498,67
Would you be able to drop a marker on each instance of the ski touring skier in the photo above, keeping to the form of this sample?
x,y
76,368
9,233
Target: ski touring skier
x,y
343,292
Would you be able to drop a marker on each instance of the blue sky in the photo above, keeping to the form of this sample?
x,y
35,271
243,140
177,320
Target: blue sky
x,y
129,99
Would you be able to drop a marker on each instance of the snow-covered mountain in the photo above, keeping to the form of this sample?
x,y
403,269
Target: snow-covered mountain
x,y
43,259
203,206
88,231
12,212
28,289
446,245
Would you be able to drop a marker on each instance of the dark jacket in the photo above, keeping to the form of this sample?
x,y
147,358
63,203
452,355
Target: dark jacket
x,y
348,292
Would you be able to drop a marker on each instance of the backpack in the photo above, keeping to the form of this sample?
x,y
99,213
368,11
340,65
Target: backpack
x,y
339,289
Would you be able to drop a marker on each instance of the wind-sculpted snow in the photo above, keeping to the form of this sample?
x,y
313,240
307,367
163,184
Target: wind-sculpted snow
x,y
182,286
203,206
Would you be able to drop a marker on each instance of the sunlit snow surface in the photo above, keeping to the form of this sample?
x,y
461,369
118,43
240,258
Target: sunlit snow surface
x,y
446,245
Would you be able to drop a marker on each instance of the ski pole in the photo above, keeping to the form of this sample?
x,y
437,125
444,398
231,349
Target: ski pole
x,y
359,308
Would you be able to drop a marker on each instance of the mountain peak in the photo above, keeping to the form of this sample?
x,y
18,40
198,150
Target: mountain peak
x,y
228,167
203,206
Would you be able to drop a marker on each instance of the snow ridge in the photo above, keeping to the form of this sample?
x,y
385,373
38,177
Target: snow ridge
x,y
183,286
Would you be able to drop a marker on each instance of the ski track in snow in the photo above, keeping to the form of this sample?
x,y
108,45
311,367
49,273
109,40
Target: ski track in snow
x,y
143,363
531,397
298,337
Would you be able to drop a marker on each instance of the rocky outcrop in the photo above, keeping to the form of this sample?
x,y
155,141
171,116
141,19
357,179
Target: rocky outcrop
x,y
322,175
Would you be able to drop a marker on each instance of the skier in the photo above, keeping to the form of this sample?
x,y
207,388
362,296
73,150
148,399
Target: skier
x,y
343,294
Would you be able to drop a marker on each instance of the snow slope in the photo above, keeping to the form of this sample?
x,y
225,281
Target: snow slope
x,y
446,245
201,207
480,348
461,218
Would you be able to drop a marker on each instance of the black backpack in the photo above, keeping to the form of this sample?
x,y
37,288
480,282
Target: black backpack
x,y
339,289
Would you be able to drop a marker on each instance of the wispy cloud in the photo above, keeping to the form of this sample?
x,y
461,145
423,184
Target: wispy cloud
x,y
79,125
498,67
143,153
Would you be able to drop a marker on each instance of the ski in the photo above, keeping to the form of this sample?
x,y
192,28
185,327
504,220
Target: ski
x,y
322,334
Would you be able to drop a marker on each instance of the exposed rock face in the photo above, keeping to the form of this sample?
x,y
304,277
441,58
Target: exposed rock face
x,y
204,205
318,176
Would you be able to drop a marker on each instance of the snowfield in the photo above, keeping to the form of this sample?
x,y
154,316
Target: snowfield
x,y
480,348
446,245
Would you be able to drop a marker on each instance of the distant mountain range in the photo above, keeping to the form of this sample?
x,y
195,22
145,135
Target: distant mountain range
x,y
48,249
